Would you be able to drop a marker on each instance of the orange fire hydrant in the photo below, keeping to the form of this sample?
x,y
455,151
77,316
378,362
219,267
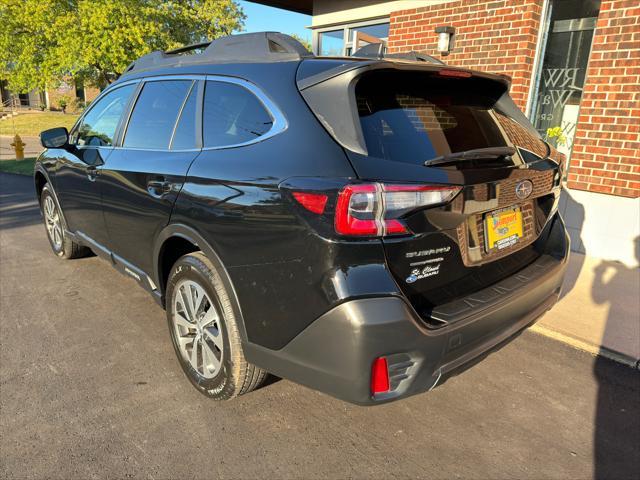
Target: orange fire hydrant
x,y
18,146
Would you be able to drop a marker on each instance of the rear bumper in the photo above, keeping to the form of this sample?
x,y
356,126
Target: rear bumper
x,y
335,353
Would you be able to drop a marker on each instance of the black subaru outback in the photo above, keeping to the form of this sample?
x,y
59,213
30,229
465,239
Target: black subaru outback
x,y
362,226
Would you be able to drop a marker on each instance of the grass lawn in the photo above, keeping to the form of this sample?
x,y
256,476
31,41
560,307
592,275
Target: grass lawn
x,y
28,124
21,167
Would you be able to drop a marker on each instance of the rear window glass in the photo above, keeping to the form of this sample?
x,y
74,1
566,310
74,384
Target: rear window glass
x,y
412,117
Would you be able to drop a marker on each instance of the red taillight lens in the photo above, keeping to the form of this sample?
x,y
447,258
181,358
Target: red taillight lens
x,y
314,202
379,376
358,211
375,209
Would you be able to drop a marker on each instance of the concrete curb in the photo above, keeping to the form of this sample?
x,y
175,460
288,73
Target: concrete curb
x,y
595,350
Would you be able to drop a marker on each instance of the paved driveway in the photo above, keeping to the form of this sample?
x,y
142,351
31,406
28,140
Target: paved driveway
x,y
89,387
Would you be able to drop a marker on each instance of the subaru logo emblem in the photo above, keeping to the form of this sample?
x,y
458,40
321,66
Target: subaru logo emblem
x,y
524,189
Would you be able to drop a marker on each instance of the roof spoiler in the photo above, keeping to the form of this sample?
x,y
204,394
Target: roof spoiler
x,y
376,51
246,47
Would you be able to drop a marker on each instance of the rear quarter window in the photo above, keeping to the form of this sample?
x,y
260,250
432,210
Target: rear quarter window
x,y
232,115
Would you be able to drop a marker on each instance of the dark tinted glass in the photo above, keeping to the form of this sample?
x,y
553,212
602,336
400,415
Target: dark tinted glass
x,y
155,114
185,134
98,126
232,115
413,117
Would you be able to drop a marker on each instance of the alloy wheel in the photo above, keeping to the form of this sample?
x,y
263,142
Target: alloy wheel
x,y
197,328
52,222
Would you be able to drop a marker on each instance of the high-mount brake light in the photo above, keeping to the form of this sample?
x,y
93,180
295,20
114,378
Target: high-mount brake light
x,y
454,73
375,209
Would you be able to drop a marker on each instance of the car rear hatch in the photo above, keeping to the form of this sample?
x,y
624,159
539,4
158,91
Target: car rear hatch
x,y
411,130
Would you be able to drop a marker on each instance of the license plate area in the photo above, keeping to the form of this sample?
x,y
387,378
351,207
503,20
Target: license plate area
x,y
503,228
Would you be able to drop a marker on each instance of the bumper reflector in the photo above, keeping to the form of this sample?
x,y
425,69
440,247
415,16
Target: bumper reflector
x,y
379,376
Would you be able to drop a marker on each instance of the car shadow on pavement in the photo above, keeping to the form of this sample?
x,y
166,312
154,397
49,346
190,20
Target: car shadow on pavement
x,y
18,207
617,417
573,213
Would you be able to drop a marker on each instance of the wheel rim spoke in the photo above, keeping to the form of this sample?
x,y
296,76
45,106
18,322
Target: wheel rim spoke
x,y
193,358
199,295
215,337
185,307
209,357
209,317
183,322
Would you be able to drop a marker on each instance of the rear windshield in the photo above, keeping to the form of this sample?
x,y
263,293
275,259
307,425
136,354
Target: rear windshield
x,y
412,117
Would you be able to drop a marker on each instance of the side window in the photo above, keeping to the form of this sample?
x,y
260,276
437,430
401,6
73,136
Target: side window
x,y
98,126
155,113
184,137
232,115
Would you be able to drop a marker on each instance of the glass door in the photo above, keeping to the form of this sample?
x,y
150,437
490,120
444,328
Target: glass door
x,y
563,70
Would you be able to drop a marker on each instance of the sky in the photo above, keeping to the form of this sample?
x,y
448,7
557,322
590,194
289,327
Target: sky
x,y
261,18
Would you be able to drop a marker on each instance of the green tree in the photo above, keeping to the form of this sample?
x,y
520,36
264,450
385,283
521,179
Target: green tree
x,y
42,41
306,43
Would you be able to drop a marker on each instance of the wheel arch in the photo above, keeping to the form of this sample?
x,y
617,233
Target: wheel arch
x,y
40,178
182,236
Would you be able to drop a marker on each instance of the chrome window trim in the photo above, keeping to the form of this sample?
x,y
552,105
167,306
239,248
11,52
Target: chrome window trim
x,y
179,117
279,125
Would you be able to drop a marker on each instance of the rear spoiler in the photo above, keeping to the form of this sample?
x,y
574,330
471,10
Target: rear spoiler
x,y
310,74
330,93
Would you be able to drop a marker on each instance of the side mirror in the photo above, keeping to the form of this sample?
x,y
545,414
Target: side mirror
x,y
54,137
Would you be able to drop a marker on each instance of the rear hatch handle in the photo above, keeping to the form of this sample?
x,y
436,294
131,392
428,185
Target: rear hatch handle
x,y
489,152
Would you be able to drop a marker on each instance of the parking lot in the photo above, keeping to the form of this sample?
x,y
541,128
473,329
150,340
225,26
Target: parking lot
x,y
90,387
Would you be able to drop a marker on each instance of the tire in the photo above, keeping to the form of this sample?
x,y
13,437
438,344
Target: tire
x,y
195,284
56,227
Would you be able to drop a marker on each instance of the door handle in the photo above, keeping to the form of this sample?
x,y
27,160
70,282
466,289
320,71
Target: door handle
x,y
159,187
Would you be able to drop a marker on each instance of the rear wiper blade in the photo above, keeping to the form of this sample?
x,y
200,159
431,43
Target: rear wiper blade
x,y
489,152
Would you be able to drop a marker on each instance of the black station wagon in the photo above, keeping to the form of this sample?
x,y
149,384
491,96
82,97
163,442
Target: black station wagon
x,y
366,226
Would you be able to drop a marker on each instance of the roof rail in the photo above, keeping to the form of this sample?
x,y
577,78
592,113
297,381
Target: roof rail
x,y
246,47
376,51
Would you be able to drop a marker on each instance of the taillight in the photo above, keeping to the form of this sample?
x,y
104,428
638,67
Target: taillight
x,y
375,209
379,376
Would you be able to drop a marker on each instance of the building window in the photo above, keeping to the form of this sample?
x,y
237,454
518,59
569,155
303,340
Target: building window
x,y
331,43
562,70
349,38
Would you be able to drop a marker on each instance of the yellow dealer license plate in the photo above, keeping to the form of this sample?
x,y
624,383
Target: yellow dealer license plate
x,y
503,228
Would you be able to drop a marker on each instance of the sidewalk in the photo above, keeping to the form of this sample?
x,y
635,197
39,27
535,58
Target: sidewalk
x,y
599,310
32,148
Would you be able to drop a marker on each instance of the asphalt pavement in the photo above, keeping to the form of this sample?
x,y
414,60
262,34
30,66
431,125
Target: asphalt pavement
x,y
90,388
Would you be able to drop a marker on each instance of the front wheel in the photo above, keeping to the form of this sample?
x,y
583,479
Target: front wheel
x,y
60,243
204,330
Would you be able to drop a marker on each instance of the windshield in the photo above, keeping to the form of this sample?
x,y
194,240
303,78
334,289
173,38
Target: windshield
x,y
412,117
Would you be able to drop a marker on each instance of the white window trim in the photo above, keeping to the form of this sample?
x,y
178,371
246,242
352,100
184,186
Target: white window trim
x,y
346,40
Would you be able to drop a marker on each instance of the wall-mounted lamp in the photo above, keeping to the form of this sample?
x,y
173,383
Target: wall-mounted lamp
x,y
446,37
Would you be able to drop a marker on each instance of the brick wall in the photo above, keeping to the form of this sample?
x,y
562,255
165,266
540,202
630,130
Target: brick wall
x,y
606,149
495,36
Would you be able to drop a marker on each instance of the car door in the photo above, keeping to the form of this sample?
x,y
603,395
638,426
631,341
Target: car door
x,y
91,144
142,177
